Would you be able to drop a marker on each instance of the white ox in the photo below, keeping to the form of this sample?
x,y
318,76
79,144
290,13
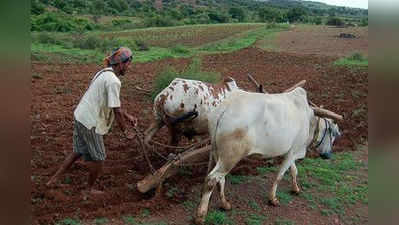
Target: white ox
x,y
267,124
184,106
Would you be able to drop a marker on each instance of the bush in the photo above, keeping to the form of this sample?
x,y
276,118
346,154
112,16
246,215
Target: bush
x,y
193,72
57,22
159,21
365,22
120,22
357,57
335,21
180,49
141,45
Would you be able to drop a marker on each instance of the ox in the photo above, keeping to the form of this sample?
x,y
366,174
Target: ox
x,y
184,106
267,124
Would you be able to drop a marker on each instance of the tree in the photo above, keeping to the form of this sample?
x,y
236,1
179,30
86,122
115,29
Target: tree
x,y
218,17
118,5
270,15
237,13
335,21
97,7
296,14
36,7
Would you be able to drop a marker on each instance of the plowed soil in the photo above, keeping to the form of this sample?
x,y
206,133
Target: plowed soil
x,y
56,90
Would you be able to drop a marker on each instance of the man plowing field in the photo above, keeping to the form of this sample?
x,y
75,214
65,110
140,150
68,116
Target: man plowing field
x,y
94,115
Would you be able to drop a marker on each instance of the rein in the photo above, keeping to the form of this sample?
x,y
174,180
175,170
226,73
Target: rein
x,y
317,132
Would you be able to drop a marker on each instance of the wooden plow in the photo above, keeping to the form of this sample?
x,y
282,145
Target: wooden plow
x,y
198,154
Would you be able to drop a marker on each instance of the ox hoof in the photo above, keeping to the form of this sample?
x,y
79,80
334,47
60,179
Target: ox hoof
x,y
296,192
274,202
199,221
226,206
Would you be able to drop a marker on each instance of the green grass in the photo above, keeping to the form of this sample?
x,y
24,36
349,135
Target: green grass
x,y
217,218
265,170
254,219
236,179
281,221
356,59
193,72
242,41
101,221
254,205
91,47
284,197
129,220
51,53
69,221
330,183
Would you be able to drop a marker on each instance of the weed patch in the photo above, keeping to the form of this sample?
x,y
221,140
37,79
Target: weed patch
x,y
193,72
284,197
265,170
356,59
69,221
254,219
129,220
217,218
101,221
236,179
333,177
280,221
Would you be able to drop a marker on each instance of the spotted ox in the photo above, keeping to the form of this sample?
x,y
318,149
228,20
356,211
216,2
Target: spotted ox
x,y
184,106
267,124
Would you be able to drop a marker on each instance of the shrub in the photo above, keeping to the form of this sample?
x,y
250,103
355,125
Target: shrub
x,y
57,22
193,72
216,218
141,45
335,21
180,49
365,22
120,22
357,56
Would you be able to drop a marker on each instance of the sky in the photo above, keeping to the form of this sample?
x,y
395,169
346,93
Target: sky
x,y
363,4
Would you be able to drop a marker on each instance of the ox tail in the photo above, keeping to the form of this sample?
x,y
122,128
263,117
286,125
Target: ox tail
x,y
213,152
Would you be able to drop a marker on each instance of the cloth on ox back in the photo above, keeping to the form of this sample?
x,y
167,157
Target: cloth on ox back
x,y
95,107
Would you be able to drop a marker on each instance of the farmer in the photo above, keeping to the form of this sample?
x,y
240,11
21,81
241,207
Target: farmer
x,y
94,115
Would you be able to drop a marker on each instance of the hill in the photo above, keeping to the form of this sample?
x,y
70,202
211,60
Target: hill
x,y
86,15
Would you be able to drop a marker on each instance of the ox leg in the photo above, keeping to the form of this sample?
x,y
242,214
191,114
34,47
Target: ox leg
x,y
225,204
174,136
294,172
283,168
207,190
154,127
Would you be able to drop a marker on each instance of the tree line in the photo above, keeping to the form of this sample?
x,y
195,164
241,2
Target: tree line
x,y
60,15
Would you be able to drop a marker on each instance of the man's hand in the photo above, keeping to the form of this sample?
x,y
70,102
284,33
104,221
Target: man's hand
x,y
132,119
129,135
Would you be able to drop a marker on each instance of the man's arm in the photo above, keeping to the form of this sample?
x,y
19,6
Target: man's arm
x,y
121,118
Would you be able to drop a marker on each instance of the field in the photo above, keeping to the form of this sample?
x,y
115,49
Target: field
x,y
334,192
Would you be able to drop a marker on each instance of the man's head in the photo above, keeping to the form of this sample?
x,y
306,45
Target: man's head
x,y
120,60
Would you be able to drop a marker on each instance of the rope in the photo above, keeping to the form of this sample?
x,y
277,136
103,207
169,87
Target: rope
x,y
187,149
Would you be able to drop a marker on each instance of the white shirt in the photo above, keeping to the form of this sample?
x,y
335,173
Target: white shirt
x,y
95,107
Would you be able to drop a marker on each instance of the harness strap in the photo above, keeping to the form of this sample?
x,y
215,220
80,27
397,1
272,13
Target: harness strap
x,y
324,134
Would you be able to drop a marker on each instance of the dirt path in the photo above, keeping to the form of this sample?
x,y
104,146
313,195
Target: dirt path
x,y
57,89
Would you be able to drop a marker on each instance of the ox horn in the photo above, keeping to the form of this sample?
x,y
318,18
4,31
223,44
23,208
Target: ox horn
x,y
299,84
326,113
258,86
